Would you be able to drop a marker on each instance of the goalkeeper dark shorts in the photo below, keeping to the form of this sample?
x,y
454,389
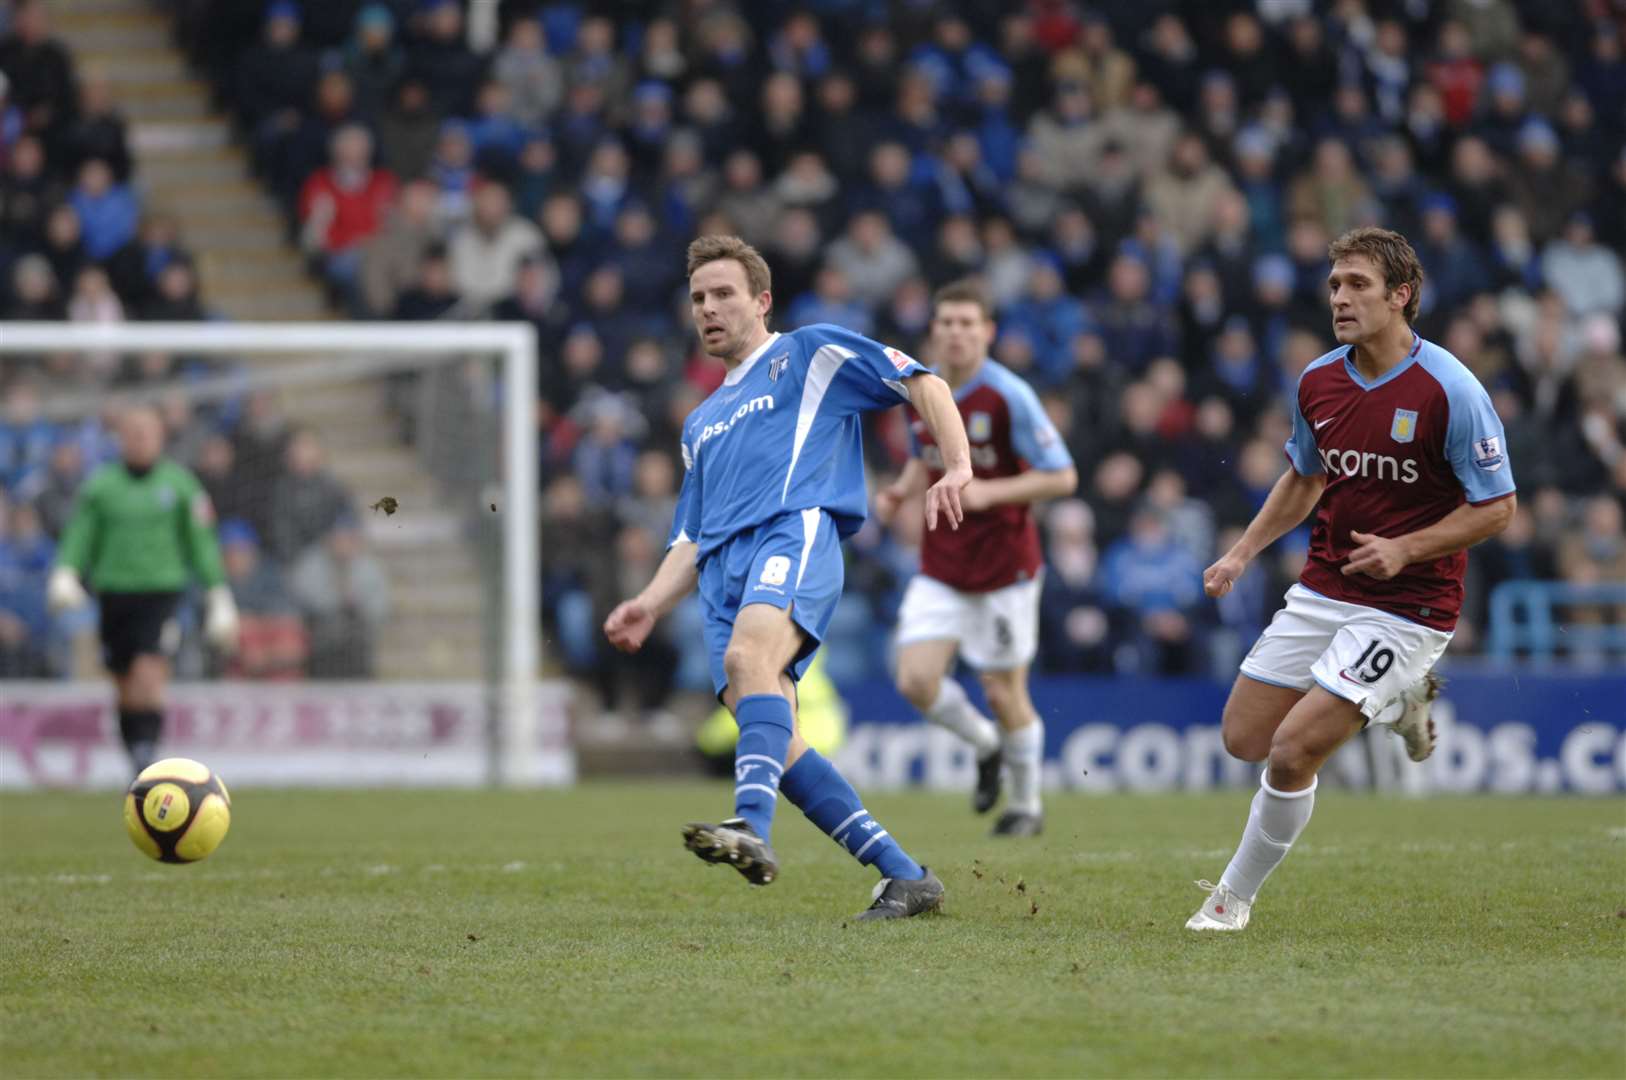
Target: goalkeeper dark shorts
x,y
138,624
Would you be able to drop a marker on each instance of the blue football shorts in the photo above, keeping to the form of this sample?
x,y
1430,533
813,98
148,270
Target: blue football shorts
x,y
792,561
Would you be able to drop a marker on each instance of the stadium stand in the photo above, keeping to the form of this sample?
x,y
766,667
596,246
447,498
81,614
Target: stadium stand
x,y
1147,190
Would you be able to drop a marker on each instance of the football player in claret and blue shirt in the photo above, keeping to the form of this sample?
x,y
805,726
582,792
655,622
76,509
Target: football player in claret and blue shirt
x,y
977,593
773,480
1396,448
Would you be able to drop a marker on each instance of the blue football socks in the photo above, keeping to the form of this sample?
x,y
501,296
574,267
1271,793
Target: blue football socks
x,y
759,758
831,803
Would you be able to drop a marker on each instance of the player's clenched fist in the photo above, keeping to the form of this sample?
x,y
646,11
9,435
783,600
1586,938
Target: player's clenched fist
x,y
1377,556
629,625
1218,579
943,498
887,501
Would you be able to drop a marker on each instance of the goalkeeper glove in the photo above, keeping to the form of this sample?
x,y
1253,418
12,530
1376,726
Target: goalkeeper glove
x,y
63,591
220,623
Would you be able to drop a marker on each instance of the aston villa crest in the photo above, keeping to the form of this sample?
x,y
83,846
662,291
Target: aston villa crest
x,y
979,427
776,366
1404,428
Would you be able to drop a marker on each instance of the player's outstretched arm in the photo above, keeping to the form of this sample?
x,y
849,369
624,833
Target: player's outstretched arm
x,y
1289,503
629,624
65,589
1034,485
201,542
934,401
1384,557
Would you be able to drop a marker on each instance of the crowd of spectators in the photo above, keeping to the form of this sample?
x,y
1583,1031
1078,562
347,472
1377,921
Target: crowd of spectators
x,y
75,246
74,243
311,598
1146,190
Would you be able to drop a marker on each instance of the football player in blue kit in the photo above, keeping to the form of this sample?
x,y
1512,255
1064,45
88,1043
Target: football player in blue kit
x,y
773,480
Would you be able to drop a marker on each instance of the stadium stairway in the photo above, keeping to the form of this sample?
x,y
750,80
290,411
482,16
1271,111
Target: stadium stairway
x,y
189,167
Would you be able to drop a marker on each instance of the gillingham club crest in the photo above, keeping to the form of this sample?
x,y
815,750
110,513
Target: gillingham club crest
x,y
1404,428
776,366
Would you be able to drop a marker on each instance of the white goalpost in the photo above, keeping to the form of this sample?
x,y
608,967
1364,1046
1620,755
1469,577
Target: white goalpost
x,y
309,356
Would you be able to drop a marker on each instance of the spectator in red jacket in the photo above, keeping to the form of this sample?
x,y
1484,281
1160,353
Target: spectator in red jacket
x,y
1457,73
343,204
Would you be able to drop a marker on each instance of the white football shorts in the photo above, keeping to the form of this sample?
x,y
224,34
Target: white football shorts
x,y
996,631
1355,652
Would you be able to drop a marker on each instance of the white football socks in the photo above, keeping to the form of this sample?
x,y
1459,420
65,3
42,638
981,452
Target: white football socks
x,y
953,710
1024,757
1274,821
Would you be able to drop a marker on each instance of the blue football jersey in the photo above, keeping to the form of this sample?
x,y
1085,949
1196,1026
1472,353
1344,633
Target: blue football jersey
x,y
782,434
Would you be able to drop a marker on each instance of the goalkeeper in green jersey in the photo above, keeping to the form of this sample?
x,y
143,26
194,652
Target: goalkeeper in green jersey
x,y
141,529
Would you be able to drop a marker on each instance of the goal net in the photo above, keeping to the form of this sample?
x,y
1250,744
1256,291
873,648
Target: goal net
x,y
375,494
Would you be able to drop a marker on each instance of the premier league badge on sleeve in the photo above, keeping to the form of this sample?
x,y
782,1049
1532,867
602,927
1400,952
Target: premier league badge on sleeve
x,y
1488,453
1404,428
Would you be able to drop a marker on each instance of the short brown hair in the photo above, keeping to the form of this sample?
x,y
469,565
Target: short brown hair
x,y
718,246
1391,254
964,291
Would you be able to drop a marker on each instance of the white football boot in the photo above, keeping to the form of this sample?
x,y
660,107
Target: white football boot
x,y
1416,725
1223,910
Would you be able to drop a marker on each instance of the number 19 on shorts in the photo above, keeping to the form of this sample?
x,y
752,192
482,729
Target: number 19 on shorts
x,y
1374,663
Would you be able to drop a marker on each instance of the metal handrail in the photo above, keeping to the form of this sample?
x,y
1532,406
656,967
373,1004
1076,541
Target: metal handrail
x,y
1524,619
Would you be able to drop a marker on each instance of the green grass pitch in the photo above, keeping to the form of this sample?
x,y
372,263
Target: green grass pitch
x,y
567,934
